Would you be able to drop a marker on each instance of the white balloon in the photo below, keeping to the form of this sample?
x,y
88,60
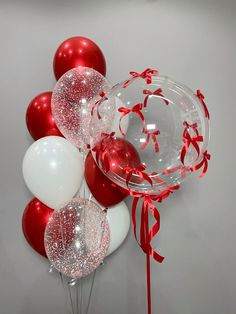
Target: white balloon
x,y
119,222
53,170
118,218
125,120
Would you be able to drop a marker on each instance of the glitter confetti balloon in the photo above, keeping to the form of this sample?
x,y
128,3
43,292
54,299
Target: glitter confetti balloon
x,y
168,127
72,100
77,238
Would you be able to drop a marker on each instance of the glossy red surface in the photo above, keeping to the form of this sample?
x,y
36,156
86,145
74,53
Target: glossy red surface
x,y
34,222
103,189
39,118
78,51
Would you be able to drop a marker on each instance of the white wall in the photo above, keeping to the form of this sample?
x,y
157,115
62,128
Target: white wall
x,y
191,41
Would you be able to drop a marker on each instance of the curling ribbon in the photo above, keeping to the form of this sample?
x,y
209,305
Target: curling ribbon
x,y
154,139
98,103
147,235
135,109
146,74
157,92
201,97
203,163
188,140
100,150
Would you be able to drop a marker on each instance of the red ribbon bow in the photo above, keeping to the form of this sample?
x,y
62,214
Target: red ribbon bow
x,y
98,103
201,97
191,126
139,171
100,150
188,140
157,92
146,74
203,163
135,109
154,139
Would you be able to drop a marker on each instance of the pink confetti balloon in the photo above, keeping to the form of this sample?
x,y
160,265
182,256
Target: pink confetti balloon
x,y
77,238
72,100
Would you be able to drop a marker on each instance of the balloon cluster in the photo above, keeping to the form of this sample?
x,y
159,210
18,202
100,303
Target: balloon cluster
x,y
62,124
142,137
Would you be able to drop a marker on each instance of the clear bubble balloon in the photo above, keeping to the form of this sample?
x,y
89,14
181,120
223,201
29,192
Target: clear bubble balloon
x,y
168,126
77,238
73,106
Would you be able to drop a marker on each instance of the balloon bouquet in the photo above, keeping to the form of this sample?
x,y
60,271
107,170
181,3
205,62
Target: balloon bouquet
x,y
142,137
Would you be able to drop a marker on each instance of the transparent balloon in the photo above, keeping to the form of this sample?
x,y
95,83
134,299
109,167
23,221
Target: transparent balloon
x,y
73,99
77,238
168,126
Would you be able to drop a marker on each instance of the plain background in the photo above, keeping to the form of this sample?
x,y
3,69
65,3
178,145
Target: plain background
x,y
191,41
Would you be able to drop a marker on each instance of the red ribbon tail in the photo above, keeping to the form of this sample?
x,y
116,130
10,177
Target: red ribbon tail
x,y
145,101
144,145
156,146
121,131
148,269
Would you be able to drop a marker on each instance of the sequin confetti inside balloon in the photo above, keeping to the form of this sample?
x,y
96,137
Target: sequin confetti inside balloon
x,y
72,100
77,238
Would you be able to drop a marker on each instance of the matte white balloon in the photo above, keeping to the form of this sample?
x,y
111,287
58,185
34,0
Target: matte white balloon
x,y
119,221
118,217
53,170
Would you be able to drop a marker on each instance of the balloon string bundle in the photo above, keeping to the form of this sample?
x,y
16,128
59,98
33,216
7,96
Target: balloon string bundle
x,y
142,137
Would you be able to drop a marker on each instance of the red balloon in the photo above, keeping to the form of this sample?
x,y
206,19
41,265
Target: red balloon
x,y
118,154
34,222
103,189
78,51
39,118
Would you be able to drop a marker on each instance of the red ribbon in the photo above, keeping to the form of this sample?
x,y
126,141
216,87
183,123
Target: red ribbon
x,y
146,74
188,140
157,92
201,97
100,150
154,139
147,235
203,163
135,109
98,103
191,126
139,171
172,170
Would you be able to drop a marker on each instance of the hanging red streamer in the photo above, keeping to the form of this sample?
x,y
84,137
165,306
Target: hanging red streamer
x,y
201,97
203,163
